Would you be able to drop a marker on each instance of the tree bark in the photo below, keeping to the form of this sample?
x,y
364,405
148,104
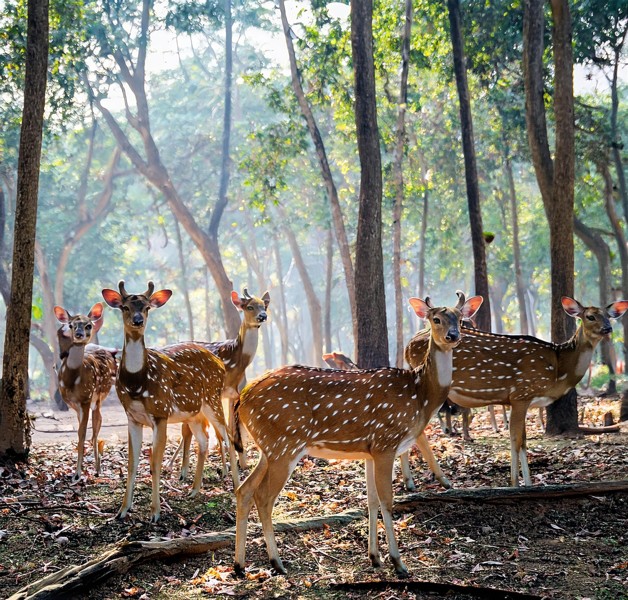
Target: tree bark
x,y
330,186
282,310
483,316
329,281
372,330
15,435
555,178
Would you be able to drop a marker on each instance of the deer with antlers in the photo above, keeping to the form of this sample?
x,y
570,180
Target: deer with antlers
x,y
237,355
372,414
85,376
338,360
176,383
521,371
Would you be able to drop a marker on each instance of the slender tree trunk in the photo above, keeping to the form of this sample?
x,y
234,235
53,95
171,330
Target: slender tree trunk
x,y
15,435
313,303
516,249
282,309
620,238
556,179
5,285
483,316
372,339
422,244
329,280
594,241
330,186
616,143
183,279
400,144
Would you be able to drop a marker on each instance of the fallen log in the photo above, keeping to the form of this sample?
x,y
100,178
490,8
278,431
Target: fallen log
x,y
433,587
511,494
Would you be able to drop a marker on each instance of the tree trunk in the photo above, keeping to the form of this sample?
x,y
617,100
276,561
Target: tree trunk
x,y
15,435
555,179
314,305
282,309
595,242
422,243
483,316
183,279
5,285
616,143
618,231
516,249
372,339
400,144
153,169
329,280
330,186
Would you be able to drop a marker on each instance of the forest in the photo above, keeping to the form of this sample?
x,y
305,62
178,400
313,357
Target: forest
x,y
385,158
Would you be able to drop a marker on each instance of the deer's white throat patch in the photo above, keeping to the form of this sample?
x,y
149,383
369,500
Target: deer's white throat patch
x,y
444,364
133,356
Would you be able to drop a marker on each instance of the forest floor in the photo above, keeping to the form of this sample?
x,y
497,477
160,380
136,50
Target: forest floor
x,y
554,547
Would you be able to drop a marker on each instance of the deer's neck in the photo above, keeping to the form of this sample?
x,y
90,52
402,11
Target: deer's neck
x,y
133,355
248,337
74,360
574,357
436,375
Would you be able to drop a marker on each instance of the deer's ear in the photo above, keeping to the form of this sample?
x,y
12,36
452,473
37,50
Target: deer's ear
x,y
617,309
237,301
112,298
471,306
63,316
96,311
160,298
420,307
266,299
572,307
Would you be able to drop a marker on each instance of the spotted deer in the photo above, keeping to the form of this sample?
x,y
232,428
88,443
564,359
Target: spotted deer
x,y
237,355
372,414
338,360
85,377
176,383
521,371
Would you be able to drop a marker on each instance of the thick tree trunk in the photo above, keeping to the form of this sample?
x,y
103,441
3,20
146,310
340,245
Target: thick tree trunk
x,y
555,179
400,144
330,186
15,435
372,339
483,316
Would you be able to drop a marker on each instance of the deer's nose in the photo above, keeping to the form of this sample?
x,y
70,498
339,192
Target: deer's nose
x,y
261,317
79,335
606,330
452,335
138,320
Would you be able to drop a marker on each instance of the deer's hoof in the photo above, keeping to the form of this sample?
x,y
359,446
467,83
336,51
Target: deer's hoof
x,y
238,570
401,571
277,566
376,560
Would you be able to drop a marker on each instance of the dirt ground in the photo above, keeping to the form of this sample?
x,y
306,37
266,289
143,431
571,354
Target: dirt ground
x,y
547,548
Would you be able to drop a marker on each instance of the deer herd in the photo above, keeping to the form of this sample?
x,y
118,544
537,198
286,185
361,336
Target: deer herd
x,y
343,412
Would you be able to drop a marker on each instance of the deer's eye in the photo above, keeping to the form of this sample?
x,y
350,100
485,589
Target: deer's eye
x,y
88,327
590,318
125,308
436,320
249,308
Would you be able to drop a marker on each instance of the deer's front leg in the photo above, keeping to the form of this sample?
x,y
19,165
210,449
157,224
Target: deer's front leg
x,y
156,459
382,468
96,423
518,450
135,444
83,417
430,459
373,506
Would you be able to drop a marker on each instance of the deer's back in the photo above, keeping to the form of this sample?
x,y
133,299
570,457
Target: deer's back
x,y
491,367
331,412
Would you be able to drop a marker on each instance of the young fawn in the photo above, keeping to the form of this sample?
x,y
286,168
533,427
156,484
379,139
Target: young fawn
x,y
176,383
85,377
522,371
237,355
338,360
372,414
